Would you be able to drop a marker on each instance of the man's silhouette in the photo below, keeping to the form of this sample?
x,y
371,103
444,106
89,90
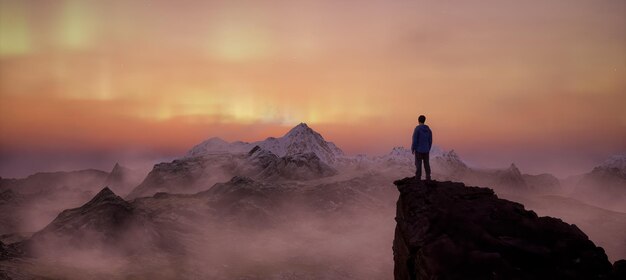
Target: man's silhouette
x,y
422,142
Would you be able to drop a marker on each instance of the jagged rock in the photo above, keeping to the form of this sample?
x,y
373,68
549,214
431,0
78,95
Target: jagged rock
x,y
448,231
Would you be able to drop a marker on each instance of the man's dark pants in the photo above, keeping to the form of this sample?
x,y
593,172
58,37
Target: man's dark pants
x,y
419,157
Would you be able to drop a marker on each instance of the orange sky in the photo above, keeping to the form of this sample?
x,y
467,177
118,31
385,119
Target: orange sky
x,y
539,83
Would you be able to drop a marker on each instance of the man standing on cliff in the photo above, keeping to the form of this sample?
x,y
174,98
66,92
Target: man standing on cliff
x,y
422,142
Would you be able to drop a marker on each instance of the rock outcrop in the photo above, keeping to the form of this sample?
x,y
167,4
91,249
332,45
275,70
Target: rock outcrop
x,y
446,230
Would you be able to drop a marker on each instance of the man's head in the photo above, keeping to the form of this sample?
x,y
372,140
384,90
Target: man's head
x,y
421,119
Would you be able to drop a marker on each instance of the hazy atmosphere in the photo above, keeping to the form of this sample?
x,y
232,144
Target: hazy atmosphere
x,y
285,140
89,83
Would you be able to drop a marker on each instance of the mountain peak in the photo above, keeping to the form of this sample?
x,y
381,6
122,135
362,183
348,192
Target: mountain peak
x,y
117,171
106,195
301,129
105,192
615,161
299,139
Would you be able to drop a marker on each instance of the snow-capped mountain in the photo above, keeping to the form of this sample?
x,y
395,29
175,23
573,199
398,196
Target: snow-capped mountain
x,y
301,154
299,140
302,139
616,163
613,167
605,185
403,155
216,145
449,163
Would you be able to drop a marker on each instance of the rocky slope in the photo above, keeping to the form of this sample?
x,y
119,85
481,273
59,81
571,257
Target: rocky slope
x,y
101,221
188,175
301,154
106,224
448,231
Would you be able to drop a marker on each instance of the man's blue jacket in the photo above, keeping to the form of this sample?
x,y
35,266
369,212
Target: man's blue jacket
x,y
422,139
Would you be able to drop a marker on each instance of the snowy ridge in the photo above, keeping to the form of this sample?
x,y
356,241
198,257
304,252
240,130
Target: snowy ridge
x,y
216,145
299,140
615,161
404,155
302,139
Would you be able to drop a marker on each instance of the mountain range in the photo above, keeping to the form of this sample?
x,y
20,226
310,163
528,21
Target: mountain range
x,y
297,198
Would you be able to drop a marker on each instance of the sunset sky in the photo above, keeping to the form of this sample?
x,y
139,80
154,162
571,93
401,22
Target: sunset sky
x,y
84,84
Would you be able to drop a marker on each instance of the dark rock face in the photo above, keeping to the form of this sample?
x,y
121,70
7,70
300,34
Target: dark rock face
x,y
448,231
106,221
101,215
4,252
619,269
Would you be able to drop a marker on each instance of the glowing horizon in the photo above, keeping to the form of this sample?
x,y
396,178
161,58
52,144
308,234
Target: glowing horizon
x,y
499,82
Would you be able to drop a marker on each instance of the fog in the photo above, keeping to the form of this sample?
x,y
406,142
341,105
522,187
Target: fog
x,y
337,227
194,237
